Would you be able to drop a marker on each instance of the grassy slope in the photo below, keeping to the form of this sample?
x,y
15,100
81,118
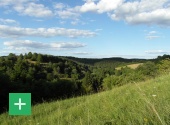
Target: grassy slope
x,y
133,66
133,104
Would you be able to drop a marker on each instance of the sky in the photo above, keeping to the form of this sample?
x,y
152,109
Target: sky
x,y
86,28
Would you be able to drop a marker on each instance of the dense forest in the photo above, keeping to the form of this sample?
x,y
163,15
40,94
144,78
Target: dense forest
x,y
49,77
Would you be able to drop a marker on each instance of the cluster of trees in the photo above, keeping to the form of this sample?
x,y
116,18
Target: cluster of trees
x,y
52,77
46,77
143,72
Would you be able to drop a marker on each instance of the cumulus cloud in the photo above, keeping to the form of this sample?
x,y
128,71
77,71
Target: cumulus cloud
x,y
28,45
98,6
149,12
101,6
66,12
156,52
143,12
14,32
33,9
27,7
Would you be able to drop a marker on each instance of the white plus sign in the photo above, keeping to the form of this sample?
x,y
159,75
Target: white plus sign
x,y
19,103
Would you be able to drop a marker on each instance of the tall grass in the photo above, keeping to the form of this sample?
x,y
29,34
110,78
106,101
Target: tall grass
x,y
145,103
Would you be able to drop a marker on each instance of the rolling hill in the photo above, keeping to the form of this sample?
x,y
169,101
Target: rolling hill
x,y
145,103
93,61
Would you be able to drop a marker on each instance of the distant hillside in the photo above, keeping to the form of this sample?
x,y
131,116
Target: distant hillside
x,y
50,77
145,103
92,61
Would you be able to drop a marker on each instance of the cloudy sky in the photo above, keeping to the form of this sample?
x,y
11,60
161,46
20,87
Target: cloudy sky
x,y
86,28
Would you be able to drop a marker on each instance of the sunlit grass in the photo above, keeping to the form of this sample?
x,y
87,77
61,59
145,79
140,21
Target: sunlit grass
x,y
145,103
132,66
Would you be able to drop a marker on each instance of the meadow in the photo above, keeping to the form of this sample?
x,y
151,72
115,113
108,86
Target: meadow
x,y
132,66
144,103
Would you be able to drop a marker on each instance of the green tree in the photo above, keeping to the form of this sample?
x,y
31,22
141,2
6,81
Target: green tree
x,y
49,76
20,69
12,57
29,56
58,69
34,57
148,69
87,82
164,66
110,81
40,58
21,57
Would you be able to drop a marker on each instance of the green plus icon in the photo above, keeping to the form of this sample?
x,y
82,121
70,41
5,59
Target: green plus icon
x,y
19,103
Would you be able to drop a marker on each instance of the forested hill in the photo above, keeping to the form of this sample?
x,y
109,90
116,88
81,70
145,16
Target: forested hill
x,y
49,77
93,61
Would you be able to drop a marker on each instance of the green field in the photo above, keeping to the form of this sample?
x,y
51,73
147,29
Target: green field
x,y
145,103
132,66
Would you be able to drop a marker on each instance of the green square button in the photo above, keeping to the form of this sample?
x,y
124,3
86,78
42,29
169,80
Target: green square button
x,y
19,103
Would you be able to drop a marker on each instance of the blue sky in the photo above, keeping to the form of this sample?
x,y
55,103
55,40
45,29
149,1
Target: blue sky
x,y
86,28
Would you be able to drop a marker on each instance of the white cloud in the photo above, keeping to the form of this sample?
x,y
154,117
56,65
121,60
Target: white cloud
x,y
89,6
8,21
31,45
33,9
74,22
152,32
65,14
14,32
152,35
59,6
156,52
101,6
149,12
77,21
27,7
159,17
38,20
143,12
12,2
80,53
67,45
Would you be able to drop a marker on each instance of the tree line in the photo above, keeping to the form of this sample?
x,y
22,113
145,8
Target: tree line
x,y
50,77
